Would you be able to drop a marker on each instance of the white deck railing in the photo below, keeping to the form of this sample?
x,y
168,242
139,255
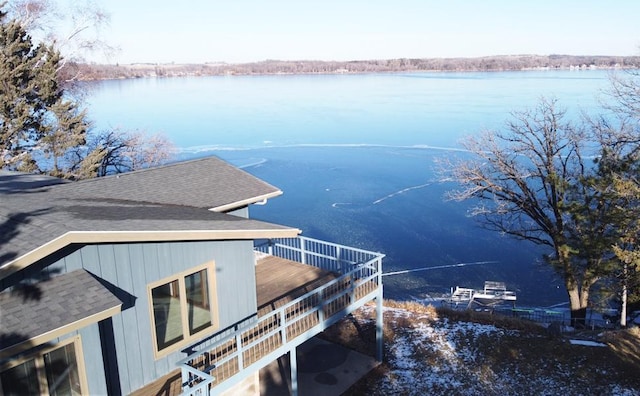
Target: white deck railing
x,y
228,361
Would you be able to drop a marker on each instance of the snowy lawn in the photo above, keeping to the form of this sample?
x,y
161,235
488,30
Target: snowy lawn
x,y
428,353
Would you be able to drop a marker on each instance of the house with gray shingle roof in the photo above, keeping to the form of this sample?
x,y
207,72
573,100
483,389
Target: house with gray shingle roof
x,y
148,282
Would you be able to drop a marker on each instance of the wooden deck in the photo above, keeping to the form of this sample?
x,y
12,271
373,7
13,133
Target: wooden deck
x,y
278,281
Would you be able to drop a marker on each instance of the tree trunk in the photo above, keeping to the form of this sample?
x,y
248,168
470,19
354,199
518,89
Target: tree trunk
x,y
623,308
578,302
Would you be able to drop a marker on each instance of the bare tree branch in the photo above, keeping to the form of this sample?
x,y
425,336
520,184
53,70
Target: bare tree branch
x,y
524,182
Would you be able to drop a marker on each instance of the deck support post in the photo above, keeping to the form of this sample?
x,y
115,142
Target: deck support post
x,y
293,363
379,324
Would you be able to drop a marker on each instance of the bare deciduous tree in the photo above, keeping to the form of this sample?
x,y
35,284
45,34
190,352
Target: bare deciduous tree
x,y
624,94
525,182
148,150
75,29
117,151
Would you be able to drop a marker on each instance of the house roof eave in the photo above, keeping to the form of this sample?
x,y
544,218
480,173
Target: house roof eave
x,y
72,301
89,237
240,204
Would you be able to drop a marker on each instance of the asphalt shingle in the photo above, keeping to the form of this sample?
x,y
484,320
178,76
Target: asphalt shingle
x,y
35,210
33,310
203,183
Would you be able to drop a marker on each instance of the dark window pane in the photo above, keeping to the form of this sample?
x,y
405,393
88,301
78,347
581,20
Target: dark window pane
x,y
198,301
20,380
62,371
166,314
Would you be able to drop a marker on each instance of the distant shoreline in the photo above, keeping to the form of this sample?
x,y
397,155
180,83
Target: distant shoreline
x,y
93,72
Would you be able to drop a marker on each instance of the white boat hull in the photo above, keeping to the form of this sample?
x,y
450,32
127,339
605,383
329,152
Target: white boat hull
x,y
494,293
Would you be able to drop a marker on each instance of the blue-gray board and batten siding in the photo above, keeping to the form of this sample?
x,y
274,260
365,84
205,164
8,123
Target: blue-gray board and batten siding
x,y
124,343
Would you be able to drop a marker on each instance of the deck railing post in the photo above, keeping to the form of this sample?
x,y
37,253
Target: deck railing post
x,y
321,313
283,326
185,378
352,290
303,251
240,351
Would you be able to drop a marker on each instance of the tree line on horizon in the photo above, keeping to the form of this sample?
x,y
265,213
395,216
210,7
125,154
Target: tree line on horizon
x,y
91,71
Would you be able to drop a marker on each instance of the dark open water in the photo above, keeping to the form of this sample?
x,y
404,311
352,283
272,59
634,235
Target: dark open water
x,y
354,155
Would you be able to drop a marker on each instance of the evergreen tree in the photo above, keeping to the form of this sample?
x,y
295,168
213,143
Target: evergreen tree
x,y
627,248
36,120
617,183
20,107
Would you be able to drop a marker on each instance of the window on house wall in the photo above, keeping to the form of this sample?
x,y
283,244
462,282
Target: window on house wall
x,y
55,371
182,308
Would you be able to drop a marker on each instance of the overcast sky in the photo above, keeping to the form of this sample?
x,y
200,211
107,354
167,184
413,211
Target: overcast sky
x,y
197,31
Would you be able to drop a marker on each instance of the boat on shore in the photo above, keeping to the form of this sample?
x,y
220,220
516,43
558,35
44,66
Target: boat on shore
x,y
494,293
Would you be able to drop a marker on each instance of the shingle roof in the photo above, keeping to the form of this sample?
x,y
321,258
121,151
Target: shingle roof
x,y
163,203
13,182
202,183
59,302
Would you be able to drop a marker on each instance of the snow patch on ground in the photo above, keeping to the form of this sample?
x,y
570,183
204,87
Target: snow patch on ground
x,y
433,356
587,343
